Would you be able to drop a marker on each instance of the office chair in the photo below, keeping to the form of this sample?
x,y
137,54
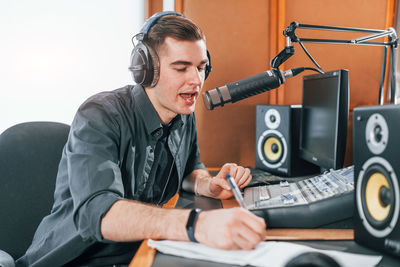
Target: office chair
x,y
29,157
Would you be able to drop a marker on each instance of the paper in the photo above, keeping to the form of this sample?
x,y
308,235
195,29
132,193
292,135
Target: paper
x,y
271,253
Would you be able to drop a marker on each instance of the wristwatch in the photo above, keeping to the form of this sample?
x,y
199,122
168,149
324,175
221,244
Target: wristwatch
x,y
191,224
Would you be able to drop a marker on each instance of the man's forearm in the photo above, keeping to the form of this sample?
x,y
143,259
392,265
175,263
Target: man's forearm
x,y
129,220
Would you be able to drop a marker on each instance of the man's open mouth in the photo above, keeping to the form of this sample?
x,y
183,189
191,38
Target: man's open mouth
x,y
189,97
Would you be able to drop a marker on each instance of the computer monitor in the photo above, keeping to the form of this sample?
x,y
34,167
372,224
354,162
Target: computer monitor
x,y
324,119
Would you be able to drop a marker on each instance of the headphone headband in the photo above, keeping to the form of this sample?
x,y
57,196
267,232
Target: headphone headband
x,y
153,20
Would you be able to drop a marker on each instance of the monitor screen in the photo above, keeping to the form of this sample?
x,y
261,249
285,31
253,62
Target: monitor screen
x,y
323,127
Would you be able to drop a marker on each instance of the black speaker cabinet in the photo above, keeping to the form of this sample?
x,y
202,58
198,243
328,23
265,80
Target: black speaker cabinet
x,y
376,172
277,141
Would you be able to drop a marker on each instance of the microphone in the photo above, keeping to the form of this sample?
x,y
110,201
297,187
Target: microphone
x,y
254,85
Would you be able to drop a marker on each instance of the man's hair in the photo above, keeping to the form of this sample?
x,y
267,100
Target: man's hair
x,y
177,27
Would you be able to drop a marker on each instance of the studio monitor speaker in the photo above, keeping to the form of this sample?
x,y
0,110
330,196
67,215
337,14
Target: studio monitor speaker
x,y
376,172
277,141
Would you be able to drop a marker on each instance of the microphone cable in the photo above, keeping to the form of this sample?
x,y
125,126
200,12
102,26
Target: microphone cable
x,y
316,70
295,71
381,97
309,55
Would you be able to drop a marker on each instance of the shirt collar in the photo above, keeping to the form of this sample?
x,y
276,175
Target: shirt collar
x,y
176,123
149,113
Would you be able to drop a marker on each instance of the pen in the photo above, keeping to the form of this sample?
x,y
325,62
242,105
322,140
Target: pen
x,y
236,191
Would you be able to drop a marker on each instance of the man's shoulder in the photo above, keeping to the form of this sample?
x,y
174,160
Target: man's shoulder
x,y
113,104
110,100
114,108
120,94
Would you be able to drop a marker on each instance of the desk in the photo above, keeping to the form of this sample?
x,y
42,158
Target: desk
x,y
189,201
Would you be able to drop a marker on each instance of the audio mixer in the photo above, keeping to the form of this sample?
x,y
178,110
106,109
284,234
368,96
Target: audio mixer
x,y
310,202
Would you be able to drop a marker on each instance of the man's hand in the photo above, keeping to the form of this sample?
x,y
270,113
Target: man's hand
x,y
235,228
219,187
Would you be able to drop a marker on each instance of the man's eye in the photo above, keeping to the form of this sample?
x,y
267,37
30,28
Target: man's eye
x,y
181,70
201,68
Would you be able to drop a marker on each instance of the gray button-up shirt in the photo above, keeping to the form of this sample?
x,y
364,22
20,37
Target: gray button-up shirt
x,y
109,156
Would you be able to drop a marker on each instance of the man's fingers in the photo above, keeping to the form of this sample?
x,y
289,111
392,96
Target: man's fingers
x,y
256,223
244,235
241,242
230,229
246,238
246,182
227,167
237,173
245,177
222,183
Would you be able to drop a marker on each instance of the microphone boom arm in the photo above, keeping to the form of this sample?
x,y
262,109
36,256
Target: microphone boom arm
x,y
391,33
290,35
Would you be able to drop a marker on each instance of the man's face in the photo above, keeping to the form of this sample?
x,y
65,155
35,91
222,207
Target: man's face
x,y
182,72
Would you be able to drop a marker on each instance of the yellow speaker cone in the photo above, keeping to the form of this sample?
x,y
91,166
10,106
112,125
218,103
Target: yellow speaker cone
x,y
374,203
273,149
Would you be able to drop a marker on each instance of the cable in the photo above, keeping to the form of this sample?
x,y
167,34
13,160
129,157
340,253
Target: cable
x,y
383,73
295,71
392,76
316,70
308,54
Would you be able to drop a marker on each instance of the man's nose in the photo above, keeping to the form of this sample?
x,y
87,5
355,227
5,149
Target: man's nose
x,y
196,76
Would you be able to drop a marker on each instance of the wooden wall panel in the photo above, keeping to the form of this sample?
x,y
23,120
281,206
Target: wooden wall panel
x,y
237,38
154,6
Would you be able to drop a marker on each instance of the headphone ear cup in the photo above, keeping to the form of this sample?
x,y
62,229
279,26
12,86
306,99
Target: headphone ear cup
x,y
155,67
141,65
208,66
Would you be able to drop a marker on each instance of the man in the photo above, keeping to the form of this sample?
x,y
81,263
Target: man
x,y
128,152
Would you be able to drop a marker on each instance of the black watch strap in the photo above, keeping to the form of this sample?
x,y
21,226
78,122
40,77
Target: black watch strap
x,y
191,223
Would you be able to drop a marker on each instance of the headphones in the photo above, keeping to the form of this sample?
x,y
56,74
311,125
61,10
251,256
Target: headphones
x,y
145,65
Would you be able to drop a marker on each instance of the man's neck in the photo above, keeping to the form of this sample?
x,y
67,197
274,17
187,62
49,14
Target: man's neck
x,y
165,116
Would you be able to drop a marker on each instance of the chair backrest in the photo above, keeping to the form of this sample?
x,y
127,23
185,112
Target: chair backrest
x,y
29,157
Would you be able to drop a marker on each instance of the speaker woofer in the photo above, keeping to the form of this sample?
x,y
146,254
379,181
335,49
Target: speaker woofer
x,y
273,149
377,195
377,184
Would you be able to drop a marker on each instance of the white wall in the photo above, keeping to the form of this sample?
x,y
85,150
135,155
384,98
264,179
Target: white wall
x,y
55,54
